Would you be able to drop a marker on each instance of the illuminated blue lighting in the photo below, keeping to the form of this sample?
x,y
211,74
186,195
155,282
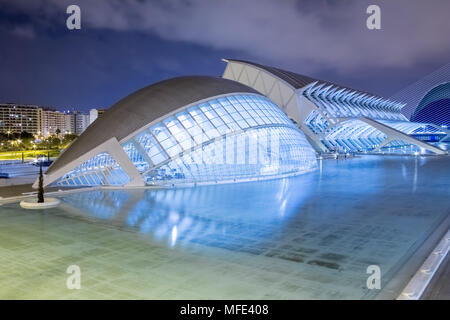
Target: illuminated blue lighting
x,y
228,139
338,121
99,170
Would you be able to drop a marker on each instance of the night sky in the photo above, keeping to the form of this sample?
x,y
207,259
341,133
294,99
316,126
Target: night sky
x,y
127,44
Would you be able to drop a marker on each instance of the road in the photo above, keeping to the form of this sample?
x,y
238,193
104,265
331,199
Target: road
x,y
20,173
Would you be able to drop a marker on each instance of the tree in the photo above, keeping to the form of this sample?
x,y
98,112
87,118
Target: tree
x,y
27,139
24,135
3,141
41,186
68,138
52,142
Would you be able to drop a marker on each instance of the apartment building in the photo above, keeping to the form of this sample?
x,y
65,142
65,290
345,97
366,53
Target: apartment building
x,y
15,118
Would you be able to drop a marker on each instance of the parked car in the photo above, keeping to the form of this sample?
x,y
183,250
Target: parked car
x,y
41,159
4,175
44,163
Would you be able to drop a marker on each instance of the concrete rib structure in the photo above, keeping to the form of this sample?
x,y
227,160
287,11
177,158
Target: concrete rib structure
x,y
336,118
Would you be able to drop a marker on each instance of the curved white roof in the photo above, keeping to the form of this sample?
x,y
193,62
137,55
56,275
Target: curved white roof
x,y
144,106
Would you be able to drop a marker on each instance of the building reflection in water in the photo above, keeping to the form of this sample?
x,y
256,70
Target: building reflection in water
x,y
227,216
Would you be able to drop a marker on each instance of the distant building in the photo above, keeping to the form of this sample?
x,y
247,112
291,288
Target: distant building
x,y
38,120
81,122
53,120
94,114
15,118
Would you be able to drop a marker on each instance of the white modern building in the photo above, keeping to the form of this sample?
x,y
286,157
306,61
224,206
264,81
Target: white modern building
x,y
336,118
187,130
255,123
413,94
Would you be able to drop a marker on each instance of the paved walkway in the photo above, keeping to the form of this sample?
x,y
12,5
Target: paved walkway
x,y
439,287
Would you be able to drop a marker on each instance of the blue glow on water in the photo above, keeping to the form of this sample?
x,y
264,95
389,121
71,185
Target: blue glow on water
x,y
306,237
367,210
199,214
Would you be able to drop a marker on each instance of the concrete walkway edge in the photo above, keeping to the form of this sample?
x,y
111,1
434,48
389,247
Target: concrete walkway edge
x,y
420,281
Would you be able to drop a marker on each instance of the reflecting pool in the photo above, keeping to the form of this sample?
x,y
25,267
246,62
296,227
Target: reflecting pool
x,y
308,237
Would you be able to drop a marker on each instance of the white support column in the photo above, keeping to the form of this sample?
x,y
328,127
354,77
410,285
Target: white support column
x,y
117,152
305,107
384,143
394,134
111,146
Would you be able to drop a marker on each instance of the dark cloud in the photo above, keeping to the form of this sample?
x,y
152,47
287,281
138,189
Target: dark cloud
x,y
317,37
323,34
23,31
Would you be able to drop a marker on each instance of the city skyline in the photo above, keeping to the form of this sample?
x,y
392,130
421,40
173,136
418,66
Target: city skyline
x,y
43,121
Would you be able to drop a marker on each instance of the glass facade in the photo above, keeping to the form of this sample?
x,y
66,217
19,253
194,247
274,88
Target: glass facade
x,y
231,158
353,136
235,137
357,136
435,106
231,138
337,126
99,170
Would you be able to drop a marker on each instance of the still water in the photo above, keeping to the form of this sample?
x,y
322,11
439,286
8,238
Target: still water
x,y
308,237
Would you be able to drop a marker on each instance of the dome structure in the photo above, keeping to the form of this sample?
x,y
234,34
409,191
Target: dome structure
x,y
186,130
434,106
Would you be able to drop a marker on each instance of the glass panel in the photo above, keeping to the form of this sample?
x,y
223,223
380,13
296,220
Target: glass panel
x,y
181,148
253,154
151,147
100,164
135,156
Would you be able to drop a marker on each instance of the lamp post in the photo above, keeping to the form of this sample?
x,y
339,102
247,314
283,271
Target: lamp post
x,y
40,186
